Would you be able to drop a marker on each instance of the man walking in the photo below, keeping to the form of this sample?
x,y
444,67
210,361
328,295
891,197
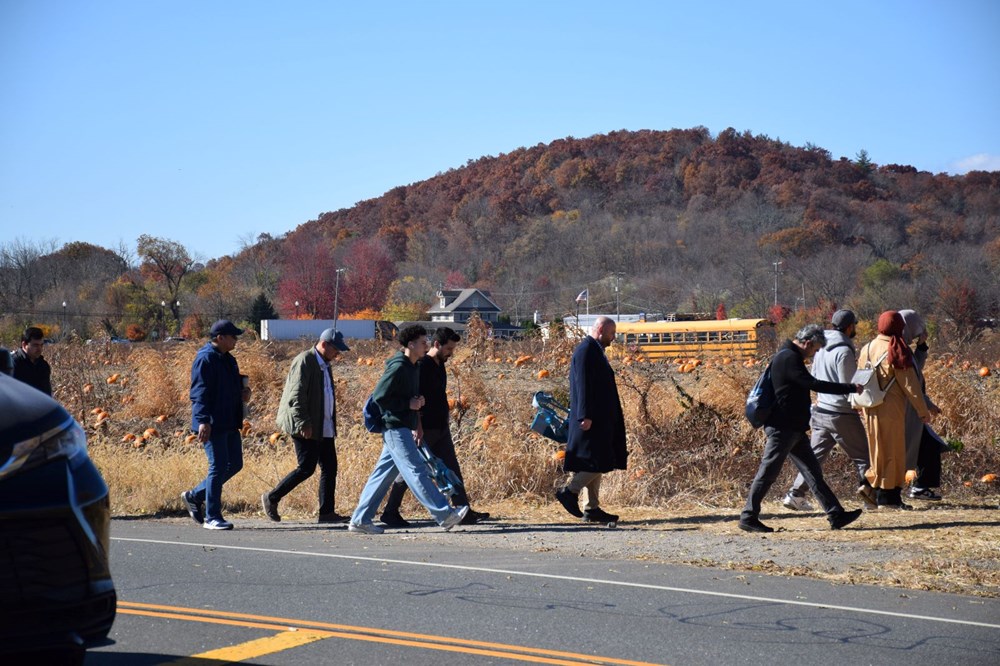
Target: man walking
x,y
596,443
786,430
398,397
308,412
434,417
29,365
217,397
833,419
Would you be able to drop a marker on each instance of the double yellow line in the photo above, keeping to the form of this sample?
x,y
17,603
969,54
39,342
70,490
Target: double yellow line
x,y
292,633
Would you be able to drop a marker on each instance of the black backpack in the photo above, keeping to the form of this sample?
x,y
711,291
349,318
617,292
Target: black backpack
x,y
761,399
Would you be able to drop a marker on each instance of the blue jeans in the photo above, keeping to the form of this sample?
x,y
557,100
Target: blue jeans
x,y
400,457
224,451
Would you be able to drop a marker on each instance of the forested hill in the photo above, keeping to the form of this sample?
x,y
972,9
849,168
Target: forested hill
x,y
653,221
688,221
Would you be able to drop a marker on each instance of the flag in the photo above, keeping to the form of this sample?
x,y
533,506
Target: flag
x,y
584,296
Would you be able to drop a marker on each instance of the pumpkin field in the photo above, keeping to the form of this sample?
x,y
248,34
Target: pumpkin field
x,y
689,443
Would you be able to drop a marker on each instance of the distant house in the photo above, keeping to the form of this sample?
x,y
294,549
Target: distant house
x,y
457,305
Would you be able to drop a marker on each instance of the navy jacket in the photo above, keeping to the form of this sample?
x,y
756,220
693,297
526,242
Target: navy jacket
x,y
792,384
216,390
593,394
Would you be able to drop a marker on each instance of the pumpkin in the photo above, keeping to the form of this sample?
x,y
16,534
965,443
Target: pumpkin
x,y
275,436
190,439
559,455
87,388
128,437
501,376
113,379
989,478
150,432
521,360
96,410
911,475
542,374
984,371
161,418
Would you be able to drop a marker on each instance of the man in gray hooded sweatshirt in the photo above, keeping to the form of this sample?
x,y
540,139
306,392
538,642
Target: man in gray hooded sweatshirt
x,y
833,420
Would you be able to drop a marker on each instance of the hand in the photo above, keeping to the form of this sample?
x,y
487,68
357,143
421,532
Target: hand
x,y
858,388
307,432
926,419
935,410
246,394
416,402
204,432
585,424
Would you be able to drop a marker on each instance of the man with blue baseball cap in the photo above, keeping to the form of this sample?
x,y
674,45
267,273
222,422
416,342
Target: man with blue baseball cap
x,y
308,412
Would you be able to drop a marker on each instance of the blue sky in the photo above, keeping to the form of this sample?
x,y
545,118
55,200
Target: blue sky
x,y
212,122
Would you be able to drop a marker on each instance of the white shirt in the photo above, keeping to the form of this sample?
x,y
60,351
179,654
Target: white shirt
x,y
327,395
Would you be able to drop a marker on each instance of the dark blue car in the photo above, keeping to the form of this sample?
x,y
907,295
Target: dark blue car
x,y
56,592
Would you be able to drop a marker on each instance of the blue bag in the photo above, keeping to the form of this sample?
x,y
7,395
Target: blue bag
x,y
373,416
761,400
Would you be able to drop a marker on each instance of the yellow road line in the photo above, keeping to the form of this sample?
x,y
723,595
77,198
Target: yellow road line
x,y
252,649
389,636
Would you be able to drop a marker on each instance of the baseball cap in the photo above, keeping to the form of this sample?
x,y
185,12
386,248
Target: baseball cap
x,y
336,337
841,319
224,327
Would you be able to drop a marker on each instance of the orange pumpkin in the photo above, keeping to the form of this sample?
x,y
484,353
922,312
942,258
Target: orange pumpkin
x,y
87,388
542,374
989,478
150,432
275,436
911,475
190,439
113,379
128,437
161,418
984,371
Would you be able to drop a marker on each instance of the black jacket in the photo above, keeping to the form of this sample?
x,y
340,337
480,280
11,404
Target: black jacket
x,y
593,395
37,374
792,384
434,388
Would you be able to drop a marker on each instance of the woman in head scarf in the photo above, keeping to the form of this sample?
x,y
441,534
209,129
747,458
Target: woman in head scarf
x,y
923,449
886,423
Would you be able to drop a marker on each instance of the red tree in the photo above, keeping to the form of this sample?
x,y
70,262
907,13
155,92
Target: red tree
x,y
307,277
370,271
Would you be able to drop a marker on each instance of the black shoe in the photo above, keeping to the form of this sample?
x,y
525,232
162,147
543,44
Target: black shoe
x,y
393,519
754,525
570,501
270,509
473,517
193,508
844,518
599,516
332,518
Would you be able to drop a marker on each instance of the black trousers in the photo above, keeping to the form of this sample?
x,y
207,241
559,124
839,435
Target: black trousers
x,y
310,452
439,443
928,462
782,444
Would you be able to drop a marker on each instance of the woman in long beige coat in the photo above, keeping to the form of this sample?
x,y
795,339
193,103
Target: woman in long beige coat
x,y
886,423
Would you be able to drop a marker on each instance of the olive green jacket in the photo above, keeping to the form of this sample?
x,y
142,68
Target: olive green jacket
x,y
302,398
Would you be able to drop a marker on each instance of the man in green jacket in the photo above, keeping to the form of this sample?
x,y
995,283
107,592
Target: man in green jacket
x,y
308,412
398,397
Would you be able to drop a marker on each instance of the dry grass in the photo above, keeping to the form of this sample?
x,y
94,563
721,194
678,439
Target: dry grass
x,y
690,448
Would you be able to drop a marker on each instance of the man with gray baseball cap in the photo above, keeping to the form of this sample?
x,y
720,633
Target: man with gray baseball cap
x,y
833,420
308,412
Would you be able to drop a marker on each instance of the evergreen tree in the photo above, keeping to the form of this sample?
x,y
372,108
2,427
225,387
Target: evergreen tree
x,y
261,308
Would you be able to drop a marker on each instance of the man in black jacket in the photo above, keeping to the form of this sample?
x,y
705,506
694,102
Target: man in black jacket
x,y
786,430
29,365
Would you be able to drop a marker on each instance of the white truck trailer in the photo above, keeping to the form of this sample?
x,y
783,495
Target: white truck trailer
x,y
310,329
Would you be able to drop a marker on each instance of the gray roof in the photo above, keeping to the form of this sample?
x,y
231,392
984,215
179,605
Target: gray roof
x,y
465,300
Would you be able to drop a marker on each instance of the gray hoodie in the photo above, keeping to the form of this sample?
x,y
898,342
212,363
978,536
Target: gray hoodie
x,y
836,362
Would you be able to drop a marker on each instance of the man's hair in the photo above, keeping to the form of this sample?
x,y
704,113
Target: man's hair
x,y
411,333
32,333
811,333
444,335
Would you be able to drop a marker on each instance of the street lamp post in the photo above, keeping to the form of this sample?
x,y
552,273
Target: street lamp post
x,y
296,309
777,265
336,295
64,320
163,320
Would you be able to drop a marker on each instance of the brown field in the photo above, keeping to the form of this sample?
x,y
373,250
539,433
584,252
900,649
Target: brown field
x,y
692,452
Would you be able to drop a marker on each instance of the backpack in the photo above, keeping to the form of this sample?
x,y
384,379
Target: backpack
x,y
872,395
761,399
373,416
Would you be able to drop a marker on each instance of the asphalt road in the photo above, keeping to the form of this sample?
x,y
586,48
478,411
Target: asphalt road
x,y
304,594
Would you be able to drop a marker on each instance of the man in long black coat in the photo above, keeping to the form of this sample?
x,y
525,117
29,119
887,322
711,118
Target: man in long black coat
x,y
596,442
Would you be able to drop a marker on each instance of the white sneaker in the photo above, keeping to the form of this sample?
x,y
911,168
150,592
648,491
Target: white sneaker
x,y
217,524
797,503
365,528
455,518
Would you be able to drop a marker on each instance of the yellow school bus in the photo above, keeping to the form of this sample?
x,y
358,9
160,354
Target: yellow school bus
x,y
738,338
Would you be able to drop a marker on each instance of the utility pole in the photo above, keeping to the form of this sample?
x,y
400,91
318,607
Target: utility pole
x,y
777,266
618,296
336,296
